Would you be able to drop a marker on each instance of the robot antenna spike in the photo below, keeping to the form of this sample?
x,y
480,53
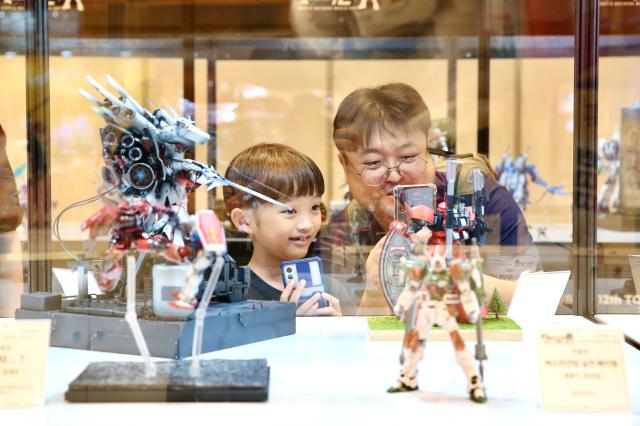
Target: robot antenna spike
x,y
89,97
104,92
104,113
170,108
124,94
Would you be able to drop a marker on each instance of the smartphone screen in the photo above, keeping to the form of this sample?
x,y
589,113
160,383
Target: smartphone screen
x,y
415,201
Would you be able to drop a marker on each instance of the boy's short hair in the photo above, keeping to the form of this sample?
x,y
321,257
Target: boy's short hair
x,y
275,170
382,108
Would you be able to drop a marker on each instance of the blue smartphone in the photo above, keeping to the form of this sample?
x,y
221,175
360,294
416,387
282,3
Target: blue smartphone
x,y
308,269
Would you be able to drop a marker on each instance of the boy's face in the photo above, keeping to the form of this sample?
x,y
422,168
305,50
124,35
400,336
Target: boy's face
x,y
283,235
387,150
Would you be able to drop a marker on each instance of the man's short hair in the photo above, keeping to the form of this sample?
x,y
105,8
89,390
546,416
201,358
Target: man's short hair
x,y
275,170
394,106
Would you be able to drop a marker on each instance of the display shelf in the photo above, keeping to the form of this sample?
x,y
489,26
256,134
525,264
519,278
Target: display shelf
x,y
235,46
331,372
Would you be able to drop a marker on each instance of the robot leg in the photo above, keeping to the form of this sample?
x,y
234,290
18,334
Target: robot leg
x,y
412,353
466,362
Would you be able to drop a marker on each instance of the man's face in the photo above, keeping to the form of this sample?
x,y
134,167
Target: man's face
x,y
387,149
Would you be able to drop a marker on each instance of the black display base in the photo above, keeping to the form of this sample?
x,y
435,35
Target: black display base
x,y
220,380
226,325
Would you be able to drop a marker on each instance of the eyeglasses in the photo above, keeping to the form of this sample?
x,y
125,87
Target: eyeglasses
x,y
377,173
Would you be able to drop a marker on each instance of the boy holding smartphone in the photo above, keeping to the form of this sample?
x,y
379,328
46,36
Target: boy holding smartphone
x,y
277,234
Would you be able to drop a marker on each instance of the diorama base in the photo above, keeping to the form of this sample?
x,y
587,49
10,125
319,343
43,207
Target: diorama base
x,y
100,329
619,221
219,380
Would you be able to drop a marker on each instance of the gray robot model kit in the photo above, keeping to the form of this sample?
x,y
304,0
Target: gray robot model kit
x,y
144,164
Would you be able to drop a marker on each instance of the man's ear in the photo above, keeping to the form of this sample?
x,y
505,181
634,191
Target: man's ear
x,y
241,220
343,160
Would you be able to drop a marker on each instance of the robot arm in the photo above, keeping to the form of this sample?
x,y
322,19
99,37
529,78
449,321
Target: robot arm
x,y
207,175
535,177
103,217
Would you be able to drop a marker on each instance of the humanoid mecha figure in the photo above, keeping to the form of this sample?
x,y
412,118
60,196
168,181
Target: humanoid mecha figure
x,y
436,293
609,164
437,141
513,174
438,289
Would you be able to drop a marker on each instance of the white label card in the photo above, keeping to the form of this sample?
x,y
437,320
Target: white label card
x,y
582,369
23,354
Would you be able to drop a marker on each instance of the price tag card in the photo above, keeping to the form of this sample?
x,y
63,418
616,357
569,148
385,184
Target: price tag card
x,y
23,354
582,369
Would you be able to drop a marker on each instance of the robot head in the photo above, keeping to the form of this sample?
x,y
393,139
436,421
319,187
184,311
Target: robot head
x,y
611,148
521,162
507,161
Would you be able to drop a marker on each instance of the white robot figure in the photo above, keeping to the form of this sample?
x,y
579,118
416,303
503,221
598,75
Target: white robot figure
x,y
144,152
514,175
609,164
436,294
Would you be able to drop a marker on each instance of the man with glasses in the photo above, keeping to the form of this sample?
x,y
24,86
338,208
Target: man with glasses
x,y
381,134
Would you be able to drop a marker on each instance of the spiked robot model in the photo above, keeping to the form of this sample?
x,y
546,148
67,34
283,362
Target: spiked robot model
x,y
144,152
442,290
514,174
144,160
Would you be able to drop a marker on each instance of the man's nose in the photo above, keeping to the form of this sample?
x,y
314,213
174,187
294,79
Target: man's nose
x,y
394,175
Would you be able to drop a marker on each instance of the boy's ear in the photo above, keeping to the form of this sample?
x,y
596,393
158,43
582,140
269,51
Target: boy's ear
x,y
240,219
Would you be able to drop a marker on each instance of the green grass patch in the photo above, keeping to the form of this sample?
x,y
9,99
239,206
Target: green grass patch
x,y
489,323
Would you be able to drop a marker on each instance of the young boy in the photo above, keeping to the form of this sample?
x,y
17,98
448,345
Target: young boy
x,y
277,234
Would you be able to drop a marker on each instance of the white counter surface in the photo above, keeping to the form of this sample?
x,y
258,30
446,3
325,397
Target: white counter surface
x,y
330,373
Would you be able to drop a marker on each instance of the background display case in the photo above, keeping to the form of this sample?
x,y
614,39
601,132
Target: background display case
x,y
499,76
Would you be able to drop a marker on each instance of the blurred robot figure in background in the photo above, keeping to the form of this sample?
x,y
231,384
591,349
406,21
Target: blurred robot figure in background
x,y
360,226
513,174
437,143
609,164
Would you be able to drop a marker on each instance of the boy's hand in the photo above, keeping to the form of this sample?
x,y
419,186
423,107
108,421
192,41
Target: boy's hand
x,y
291,294
333,309
311,307
292,291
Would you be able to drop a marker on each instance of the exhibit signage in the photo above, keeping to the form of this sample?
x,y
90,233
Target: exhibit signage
x,y
23,354
582,369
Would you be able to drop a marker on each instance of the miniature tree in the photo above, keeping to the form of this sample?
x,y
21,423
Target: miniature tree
x,y
496,304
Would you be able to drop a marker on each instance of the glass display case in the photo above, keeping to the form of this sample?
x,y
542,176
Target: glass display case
x,y
506,79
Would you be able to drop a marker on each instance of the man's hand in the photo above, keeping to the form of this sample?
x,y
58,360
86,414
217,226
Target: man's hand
x,y
372,268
